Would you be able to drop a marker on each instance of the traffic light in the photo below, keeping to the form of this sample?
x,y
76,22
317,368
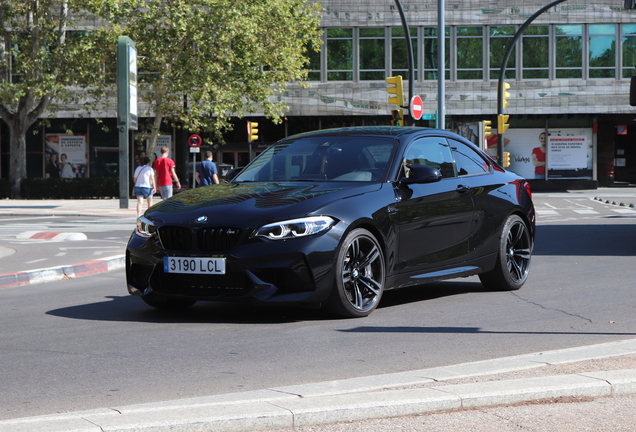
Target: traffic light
x,y
397,90
397,118
502,125
506,159
487,128
252,131
506,95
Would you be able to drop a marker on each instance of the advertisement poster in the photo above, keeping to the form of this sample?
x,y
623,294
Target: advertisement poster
x,y
568,157
566,153
66,156
162,140
470,131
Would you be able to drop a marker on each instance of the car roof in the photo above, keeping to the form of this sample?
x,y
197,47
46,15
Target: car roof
x,y
394,131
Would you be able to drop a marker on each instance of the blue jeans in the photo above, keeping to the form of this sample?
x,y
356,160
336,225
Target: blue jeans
x,y
145,192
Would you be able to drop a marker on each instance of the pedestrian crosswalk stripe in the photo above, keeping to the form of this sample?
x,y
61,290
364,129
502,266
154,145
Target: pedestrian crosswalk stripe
x,y
586,212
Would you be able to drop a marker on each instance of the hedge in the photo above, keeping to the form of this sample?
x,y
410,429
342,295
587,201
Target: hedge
x,y
76,188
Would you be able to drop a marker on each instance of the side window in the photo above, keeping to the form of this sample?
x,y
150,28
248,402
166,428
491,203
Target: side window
x,y
433,152
468,161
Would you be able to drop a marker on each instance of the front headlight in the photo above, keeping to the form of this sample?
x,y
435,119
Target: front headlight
x,y
294,228
145,228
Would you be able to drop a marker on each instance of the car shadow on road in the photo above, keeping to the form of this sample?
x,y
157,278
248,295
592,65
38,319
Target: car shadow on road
x,y
133,309
430,291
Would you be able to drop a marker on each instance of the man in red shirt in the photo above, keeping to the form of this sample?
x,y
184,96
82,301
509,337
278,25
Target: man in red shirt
x,y
165,168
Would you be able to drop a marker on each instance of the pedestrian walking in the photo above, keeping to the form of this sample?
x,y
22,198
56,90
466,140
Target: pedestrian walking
x,y
207,173
145,183
165,171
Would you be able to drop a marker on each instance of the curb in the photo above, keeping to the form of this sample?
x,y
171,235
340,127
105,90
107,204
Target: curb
x,y
613,202
354,399
62,272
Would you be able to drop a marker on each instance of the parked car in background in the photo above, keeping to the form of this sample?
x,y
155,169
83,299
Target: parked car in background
x,y
335,218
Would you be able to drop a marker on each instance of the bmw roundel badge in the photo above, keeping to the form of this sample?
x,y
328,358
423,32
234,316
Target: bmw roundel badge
x,y
202,219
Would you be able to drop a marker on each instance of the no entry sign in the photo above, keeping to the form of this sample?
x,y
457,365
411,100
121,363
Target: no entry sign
x,y
195,141
416,107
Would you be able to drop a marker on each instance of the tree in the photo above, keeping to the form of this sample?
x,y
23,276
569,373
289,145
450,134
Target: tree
x,y
45,58
203,61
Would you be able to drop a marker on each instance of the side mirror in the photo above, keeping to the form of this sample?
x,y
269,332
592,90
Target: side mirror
x,y
231,175
421,174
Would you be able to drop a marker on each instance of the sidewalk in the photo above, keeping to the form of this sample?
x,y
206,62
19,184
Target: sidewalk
x,y
95,207
581,373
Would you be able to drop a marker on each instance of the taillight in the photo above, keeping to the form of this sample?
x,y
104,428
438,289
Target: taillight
x,y
526,185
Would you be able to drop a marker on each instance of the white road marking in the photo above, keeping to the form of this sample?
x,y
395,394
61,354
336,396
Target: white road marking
x,y
543,212
585,211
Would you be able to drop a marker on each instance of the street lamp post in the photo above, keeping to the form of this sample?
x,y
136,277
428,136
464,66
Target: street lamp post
x,y
502,72
441,97
441,64
409,49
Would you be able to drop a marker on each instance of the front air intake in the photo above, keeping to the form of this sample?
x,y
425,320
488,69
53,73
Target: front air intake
x,y
178,239
217,239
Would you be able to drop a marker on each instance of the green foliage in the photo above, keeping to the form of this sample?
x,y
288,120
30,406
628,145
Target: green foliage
x,y
47,60
51,53
202,62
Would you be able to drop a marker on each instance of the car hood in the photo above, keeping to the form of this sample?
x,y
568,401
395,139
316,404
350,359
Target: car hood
x,y
252,204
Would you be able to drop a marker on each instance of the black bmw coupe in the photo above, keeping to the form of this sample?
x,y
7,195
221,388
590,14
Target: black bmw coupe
x,y
334,218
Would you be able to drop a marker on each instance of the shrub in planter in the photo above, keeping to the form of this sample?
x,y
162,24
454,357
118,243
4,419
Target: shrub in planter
x,y
76,188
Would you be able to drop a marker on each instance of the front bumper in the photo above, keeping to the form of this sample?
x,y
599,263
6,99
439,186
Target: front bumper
x,y
283,272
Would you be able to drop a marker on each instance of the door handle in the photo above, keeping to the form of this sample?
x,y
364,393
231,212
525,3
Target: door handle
x,y
462,189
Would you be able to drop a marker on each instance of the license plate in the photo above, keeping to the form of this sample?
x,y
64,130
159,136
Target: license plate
x,y
194,265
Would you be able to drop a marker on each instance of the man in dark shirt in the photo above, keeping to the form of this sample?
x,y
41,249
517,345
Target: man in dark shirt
x,y
206,171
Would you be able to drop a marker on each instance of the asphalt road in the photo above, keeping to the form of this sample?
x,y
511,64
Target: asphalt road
x,y
84,343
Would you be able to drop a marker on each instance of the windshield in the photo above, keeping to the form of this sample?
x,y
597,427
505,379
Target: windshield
x,y
337,158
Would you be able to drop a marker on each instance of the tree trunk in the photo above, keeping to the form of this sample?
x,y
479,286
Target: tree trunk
x,y
17,154
154,133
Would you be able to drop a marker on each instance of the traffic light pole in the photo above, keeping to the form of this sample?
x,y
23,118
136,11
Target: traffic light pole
x,y
502,72
409,50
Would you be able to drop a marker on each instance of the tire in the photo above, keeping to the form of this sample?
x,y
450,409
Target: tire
x,y
171,304
513,260
360,274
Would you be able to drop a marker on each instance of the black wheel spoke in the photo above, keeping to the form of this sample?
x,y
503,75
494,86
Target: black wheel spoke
x,y
519,235
522,253
371,285
515,270
370,257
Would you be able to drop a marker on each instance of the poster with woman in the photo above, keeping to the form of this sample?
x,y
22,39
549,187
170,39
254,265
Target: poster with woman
x,y
67,154
564,153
